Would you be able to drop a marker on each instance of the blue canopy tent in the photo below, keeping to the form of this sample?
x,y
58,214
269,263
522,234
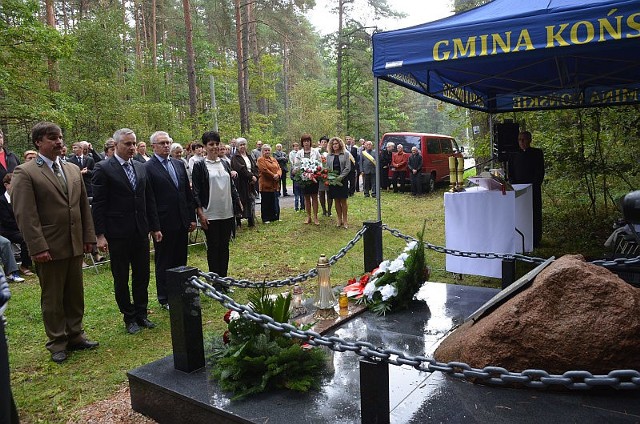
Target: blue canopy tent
x,y
512,55
520,55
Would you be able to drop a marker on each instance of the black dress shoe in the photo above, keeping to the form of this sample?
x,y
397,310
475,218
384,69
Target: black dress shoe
x,y
85,344
133,328
59,357
144,322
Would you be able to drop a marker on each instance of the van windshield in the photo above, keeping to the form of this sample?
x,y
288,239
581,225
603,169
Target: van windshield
x,y
407,141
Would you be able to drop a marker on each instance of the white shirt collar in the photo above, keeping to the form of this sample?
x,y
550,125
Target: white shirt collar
x,y
120,160
49,162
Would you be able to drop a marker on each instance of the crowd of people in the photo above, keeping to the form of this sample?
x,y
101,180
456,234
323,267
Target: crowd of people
x,y
58,207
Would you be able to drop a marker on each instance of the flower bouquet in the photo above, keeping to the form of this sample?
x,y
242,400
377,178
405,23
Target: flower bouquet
x,y
250,359
312,171
393,284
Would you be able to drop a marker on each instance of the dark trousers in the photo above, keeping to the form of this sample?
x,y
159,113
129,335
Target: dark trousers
x,y
62,301
8,412
218,236
268,206
16,237
171,252
416,183
131,252
298,196
283,183
351,177
537,214
399,175
369,181
384,178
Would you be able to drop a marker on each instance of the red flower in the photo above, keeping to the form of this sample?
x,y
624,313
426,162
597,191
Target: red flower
x,y
352,281
326,183
226,337
365,279
227,316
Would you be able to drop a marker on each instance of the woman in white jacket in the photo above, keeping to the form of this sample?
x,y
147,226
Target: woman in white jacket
x,y
310,190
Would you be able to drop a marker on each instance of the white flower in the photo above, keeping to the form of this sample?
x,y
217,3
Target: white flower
x,y
410,246
369,289
234,316
396,265
403,257
388,291
383,267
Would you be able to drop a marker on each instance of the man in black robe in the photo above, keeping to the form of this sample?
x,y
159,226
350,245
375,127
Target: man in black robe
x,y
527,167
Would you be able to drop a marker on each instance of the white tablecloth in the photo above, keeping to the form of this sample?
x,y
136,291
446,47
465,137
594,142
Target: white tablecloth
x,y
483,221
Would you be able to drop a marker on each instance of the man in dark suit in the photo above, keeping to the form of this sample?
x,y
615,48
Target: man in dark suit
x,y
176,210
354,174
527,167
84,162
92,153
52,210
124,213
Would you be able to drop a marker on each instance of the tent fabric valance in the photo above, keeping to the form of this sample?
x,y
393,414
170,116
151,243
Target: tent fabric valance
x,y
511,55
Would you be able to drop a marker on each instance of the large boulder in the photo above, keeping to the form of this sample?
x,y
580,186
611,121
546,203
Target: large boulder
x,y
574,316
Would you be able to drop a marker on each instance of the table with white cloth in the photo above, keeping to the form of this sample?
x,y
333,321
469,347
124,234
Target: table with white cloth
x,y
487,221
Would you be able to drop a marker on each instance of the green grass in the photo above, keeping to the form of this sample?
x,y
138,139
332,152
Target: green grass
x,y
51,393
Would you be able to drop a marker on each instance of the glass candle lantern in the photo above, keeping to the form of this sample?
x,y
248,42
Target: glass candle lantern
x,y
460,177
452,173
297,301
325,299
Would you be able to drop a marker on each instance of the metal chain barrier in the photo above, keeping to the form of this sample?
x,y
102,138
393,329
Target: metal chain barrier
x,y
606,263
475,255
575,380
618,262
231,282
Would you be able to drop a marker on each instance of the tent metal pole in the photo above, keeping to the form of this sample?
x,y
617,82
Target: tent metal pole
x,y
492,138
376,134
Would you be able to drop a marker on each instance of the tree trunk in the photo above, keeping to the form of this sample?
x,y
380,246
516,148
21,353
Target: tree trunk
x,y
65,17
286,81
82,10
154,39
54,84
339,58
124,41
252,27
191,65
242,88
136,14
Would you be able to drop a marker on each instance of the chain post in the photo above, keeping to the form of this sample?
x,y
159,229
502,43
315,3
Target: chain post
x,y
508,272
372,245
186,319
374,391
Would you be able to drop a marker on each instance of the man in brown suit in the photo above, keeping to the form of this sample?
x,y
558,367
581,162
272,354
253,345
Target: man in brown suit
x,y
52,210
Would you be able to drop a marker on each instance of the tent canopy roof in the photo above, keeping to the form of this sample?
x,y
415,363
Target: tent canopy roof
x,y
520,55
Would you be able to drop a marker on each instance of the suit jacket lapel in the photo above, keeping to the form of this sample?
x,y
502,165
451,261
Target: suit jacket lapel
x,y
160,166
165,172
48,173
67,177
138,168
120,171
